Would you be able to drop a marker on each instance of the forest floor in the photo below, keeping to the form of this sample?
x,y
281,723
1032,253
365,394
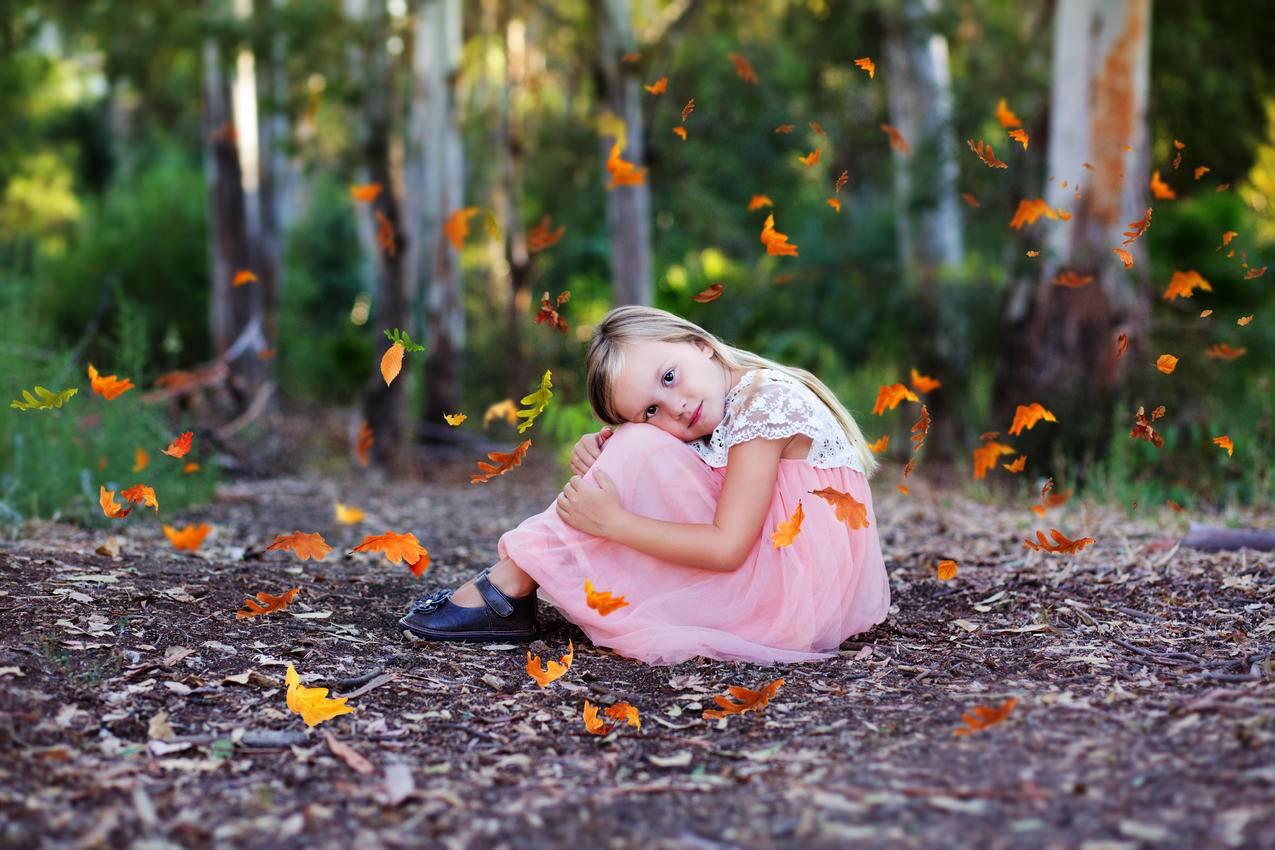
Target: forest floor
x,y
136,711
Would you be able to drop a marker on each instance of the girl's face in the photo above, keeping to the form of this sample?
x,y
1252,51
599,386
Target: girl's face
x,y
666,384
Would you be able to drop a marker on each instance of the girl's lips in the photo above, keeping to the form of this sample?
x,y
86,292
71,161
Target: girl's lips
x,y
698,410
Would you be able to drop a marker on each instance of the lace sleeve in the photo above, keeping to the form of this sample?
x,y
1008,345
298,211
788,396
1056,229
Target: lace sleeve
x,y
772,411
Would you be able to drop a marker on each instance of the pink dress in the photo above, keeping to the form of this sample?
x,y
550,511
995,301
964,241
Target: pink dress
x,y
794,603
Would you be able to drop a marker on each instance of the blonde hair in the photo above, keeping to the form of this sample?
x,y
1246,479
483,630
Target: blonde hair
x,y
625,326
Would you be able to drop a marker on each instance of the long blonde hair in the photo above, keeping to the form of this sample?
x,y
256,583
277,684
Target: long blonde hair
x,y
624,326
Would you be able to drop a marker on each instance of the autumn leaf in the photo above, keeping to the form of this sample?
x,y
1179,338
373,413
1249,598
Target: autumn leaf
x,y
391,363
970,199
1027,415
924,383
624,712
889,397
601,600
785,128
363,442
397,548
1072,279
505,461
266,603
984,152
788,530
548,314
243,276
630,57
986,455
592,723
141,459
1049,500
47,399
180,446
776,243
1222,351
504,409
623,172
538,401
759,201
835,204
983,717
1006,116
1224,441
541,237
1166,363
1159,189
190,537
111,508
810,158
688,109
919,432
880,445
141,493
456,228
365,193
1201,170
1060,546
946,570
454,419
841,181
1125,257
897,141
1137,228
868,65
680,132
347,515
658,87
552,669
848,509
743,69
312,704
1029,211
1244,320
109,387
1254,273
1033,253
386,238
1020,136
1142,429
748,700
303,544
190,467
1017,465
709,293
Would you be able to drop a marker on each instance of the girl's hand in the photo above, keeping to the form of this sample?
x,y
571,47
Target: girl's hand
x,y
592,509
587,449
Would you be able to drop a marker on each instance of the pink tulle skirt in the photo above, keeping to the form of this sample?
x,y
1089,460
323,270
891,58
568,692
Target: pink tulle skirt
x,y
795,603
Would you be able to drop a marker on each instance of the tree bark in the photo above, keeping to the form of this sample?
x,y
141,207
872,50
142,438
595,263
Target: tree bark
x,y
628,207
1058,344
928,209
509,200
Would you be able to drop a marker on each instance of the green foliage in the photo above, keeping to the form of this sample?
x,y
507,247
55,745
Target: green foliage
x,y
401,337
563,424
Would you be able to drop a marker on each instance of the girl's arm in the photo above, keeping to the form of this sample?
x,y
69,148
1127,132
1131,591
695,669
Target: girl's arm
x,y
751,470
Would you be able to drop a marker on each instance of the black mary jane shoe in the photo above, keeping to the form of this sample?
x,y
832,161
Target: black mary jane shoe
x,y
436,617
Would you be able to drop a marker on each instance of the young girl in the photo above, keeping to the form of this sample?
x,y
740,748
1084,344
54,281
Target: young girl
x,y
674,510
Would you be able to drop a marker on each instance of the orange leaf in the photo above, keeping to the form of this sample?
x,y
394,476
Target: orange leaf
x,y
1166,363
1159,189
180,446
1244,320
710,293
818,128
1017,465
1122,345
266,603
190,467
1033,253
924,383
750,700
141,459
868,65
630,57
1225,442
688,109
1006,116
681,132
623,172
896,139
985,457
541,237
397,548
190,537
456,228
1222,351
1125,257
553,669
880,445
303,544
743,69
1060,546
759,201
658,87
970,199
505,461
835,204
1142,429
385,235
1204,314
242,277
984,717
601,600
776,243
1072,279
848,509
1027,415
946,570
392,362
548,315
1184,284
1254,273
841,181
1020,136
109,387
1029,211
624,711
788,530
1201,170
785,128
365,193
141,493
810,158
110,507
919,432
592,723
984,152
1137,228
363,442
889,397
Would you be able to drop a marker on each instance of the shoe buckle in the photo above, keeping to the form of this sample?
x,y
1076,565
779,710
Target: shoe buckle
x,y
427,604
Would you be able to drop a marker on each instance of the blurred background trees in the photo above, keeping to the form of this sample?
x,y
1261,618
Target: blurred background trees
x,y
151,154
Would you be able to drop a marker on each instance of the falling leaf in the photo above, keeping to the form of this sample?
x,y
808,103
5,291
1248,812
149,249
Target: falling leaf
x,y
1125,257
688,109
623,172
1201,170
1222,351
541,237
841,181
391,363
924,383
456,228
548,314
180,446
1017,465
658,87
365,193
1006,116
1137,228
266,603
776,243
880,445
1122,345
1225,442
743,69
601,600
759,201
889,397
385,235
111,508
312,704
835,204
552,669
1060,546
785,128
303,544
1244,320
984,152
630,57
538,400
190,537
505,409
1222,187
986,456
47,399
1205,313
1029,211
363,442
810,158
243,276
1184,284
1020,136
1142,429
397,548
1033,253
1166,363
1159,189
347,515
903,489
141,459
1254,273
505,461
710,293
896,139
190,467
1027,415
749,700
788,530
970,199
848,509
141,493
946,570
454,419
868,65
1072,279
984,717
681,132
109,387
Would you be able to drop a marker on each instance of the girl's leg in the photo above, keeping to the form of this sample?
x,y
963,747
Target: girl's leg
x,y
505,575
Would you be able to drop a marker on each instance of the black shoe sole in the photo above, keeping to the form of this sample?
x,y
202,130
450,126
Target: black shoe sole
x,y
428,634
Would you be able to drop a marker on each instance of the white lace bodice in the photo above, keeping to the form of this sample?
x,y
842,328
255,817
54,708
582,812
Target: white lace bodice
x,y
772,404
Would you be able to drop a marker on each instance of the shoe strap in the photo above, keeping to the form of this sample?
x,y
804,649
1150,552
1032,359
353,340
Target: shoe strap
x,y
492,595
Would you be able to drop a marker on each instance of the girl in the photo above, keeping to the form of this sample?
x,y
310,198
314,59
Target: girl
x,y
674,511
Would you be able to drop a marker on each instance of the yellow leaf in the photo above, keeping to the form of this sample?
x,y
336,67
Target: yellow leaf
x,y
312,704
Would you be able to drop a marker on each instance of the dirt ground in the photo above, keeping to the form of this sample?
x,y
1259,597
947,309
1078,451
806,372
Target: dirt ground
x,y
136,711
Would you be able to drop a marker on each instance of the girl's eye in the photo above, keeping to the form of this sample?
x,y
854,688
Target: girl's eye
x,y
648,411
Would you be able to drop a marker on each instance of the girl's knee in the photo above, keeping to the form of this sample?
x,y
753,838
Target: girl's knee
x,y
639,433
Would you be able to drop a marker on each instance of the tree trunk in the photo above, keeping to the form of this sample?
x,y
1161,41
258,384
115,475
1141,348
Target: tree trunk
x,y
1058,344
928,209
509,194
628,207
437,68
